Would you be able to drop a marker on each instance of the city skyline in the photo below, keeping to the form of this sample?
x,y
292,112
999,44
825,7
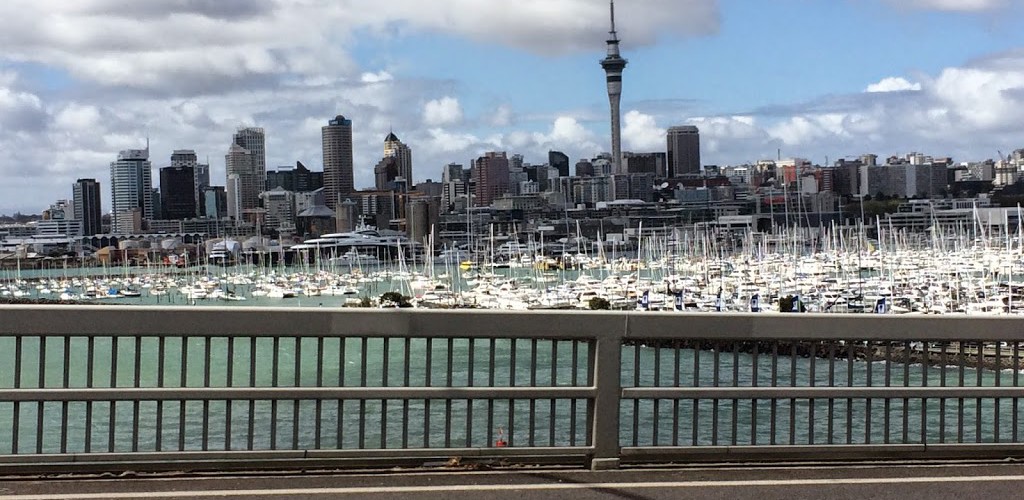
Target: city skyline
x,y
822,78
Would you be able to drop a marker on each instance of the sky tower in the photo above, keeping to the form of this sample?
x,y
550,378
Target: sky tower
x,y
613,65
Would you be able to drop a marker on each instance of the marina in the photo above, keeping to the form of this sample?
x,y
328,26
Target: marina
x,y
841,271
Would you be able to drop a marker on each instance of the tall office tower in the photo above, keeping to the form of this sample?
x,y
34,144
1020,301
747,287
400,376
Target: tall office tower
x,y
559,160
244,182
177,192
254,140
338,163
613,65
86,206
491,174
297,179
394,148
385,173
131,188
201,174
683,150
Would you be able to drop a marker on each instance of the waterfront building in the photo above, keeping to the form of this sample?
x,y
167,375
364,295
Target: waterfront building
x,y
280,209
86,206
490,172
131,188
683,150
613,65
336,139
177,192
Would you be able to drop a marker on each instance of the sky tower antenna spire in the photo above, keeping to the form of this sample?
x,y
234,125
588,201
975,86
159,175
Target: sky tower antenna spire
x,y
614,35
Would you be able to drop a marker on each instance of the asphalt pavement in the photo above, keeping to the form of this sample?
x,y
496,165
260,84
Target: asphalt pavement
x,y
789,482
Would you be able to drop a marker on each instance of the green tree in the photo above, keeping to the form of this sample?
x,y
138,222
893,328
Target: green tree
x,y
599,304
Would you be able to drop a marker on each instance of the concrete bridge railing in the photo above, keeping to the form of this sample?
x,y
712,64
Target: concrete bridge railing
x,y
149,388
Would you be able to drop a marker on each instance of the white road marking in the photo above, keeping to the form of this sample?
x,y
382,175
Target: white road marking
x,y
516,487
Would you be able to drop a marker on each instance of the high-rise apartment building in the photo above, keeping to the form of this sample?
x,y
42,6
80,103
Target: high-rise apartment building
x,y
339,178
244,182
177,192
683,150
491,174
131,188
394,148
86,206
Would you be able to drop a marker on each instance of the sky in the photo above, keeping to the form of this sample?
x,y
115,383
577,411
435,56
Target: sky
x,y
816,79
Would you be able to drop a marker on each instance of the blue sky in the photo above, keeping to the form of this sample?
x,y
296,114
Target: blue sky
x,y
455,78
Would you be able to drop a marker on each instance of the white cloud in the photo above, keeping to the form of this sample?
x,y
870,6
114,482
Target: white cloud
x,y
443,111
893,84
641,133
952,5
379,77
502,116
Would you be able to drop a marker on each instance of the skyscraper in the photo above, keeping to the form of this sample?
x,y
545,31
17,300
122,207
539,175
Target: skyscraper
x,y
131,188
613,65
177,192
201,173
559,160
683,150
394,148
491,174
338,162
244,182
86,206
254,140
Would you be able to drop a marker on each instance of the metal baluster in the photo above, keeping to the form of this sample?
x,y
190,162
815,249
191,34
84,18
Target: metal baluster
x,y
385,382
960,401
715,379
675,401
554,383
906,383
16,417
792,401
251,437
274,371
979,370
160,352
575,383
657,402
89,364
869,359
40,405
926,357
754,382
470,369
942,383
531,432
113,404
65,383
636,402
362,383
773,410
849,383
513,346
999,379
295,402
206,402
812,382
183,383
229,382
735,383
831,383
407,346
449,366
888,383
491,371
138,383
342,364
1016,383
319,410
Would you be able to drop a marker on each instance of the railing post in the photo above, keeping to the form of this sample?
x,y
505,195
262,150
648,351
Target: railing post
x,y
606,370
